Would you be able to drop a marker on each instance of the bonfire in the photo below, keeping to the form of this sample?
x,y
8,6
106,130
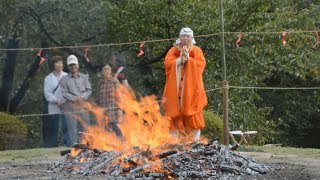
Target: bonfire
x,y
148,149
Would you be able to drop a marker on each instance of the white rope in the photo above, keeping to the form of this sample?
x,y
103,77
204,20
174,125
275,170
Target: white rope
x,y
210,90
149,41
35,115
276,88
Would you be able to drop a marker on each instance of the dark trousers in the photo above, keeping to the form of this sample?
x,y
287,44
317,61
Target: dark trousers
x,y
74,127
50,128
115,128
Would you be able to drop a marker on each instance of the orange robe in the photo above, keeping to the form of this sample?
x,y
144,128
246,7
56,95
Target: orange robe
x,y
184,96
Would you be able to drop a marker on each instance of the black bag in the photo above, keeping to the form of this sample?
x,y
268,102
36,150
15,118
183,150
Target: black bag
x,y
45,105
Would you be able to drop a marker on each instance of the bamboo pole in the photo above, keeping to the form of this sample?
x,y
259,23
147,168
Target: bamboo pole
x,y
225,82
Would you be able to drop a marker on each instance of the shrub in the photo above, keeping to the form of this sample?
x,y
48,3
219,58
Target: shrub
x,y
214,125
13,132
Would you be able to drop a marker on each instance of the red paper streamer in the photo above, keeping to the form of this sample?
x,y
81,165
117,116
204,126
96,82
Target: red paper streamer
x,y
318,40
86,54
141,51
284,37
239,39
42,59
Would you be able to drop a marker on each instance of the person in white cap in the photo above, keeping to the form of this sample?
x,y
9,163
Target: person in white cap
x,y
184,95
75,88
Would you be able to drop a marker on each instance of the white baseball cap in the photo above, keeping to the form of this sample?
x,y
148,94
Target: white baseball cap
x,y
72,59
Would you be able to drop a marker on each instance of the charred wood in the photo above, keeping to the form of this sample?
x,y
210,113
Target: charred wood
x,y
64,152
163,155
80,146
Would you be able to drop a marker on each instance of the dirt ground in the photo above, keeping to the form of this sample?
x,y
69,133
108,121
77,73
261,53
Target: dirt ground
x,y
288,167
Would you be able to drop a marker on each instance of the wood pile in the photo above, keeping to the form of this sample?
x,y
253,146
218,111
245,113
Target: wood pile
x,y
171,161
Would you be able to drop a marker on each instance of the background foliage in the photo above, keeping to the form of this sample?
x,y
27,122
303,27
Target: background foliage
x,y
281,116
13,132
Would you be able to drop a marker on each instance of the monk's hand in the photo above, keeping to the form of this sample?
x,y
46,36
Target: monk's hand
x,y
184,54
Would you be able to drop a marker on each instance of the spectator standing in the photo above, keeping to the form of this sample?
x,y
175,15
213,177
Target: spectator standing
x,y
118,62
107,98
53,95
75,88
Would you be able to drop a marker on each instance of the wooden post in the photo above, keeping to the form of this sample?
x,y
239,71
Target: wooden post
x,y
225,82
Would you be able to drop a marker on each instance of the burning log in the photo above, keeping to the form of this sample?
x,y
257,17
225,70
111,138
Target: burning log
x,y
132,162
163,155
145,166
97,151
109,157
76,146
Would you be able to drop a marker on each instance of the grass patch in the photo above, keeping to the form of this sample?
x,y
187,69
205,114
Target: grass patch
x,y
309,152
9,155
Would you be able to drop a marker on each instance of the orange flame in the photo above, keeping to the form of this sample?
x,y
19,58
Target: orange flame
x,y
75,168
142,124
75,151
82,159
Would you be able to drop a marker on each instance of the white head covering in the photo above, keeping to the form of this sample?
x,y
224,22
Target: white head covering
x,y
72,59
186,31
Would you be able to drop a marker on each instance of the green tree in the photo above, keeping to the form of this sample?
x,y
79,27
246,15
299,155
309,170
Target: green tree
x,y
261,59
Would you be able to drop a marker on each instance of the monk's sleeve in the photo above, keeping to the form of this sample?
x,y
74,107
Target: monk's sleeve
x,y
201,64
170,60
194,97
198,58
170,98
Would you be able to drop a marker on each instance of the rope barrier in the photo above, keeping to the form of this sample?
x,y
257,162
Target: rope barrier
x,y
276,88
86,46
47,114
150,41
210,90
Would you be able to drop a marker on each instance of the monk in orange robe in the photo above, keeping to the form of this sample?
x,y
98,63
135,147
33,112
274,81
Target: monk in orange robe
x,y
184,96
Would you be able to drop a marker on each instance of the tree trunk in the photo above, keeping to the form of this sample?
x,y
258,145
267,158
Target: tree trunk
x,y
16,100
8,74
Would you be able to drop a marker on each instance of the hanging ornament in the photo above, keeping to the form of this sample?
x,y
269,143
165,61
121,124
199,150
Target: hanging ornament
x,y
141,51
318,40
284,37
239,39
42,59
86,54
